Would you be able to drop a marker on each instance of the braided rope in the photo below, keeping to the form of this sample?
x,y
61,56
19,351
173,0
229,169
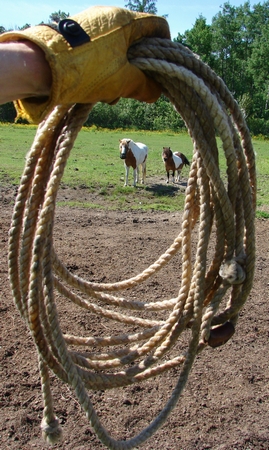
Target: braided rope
x,y
226,208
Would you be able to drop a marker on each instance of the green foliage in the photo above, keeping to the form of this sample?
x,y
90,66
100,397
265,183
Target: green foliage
x,y
15,140
94,166
262,163
147,6
58,15
233,46
128,113
24,27
262,215
7,113
258,66
236,46
199,40
258,127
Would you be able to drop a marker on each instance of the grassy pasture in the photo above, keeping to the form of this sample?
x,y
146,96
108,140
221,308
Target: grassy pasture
x,y
94,165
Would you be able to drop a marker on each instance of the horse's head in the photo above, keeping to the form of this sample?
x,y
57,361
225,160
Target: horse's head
x,y
167,153
124,147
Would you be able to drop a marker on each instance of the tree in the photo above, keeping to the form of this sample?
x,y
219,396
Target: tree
x,y
236,46
57,16
147,6
24,27
241,45
7,112
199,40
258,66
228,30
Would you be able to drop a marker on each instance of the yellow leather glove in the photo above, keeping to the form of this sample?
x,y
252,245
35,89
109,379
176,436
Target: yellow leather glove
x,y
87,55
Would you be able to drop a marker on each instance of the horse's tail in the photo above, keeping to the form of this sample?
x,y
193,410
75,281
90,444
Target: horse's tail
x,y
186,161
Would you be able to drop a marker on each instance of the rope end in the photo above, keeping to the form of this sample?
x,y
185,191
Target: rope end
x,y
51,432
221,334
232,272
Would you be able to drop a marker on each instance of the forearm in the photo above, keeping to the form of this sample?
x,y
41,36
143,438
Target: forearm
x,y
24,71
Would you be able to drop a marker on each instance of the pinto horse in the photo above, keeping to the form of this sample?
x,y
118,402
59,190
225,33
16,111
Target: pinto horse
x,y
173,161
134,155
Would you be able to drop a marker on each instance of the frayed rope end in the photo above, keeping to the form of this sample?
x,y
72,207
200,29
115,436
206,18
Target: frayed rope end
x,y
51,432
232,272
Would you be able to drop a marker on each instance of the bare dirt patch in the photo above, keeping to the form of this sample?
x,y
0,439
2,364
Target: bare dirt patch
x,y
225,403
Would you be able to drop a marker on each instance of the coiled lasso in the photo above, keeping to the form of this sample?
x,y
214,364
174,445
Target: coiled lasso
x,y
227,207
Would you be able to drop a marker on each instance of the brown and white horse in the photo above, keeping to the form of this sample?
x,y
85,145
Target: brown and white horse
x,y
134,155
173,161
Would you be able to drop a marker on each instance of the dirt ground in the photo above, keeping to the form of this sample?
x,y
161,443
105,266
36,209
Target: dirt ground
x,y
225,403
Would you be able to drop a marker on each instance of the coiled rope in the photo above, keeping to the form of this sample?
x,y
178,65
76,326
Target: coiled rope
x,y
211,292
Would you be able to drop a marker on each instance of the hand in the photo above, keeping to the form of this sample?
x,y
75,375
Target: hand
x,y
87,56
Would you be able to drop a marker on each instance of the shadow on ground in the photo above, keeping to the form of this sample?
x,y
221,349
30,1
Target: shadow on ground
x,y
166,189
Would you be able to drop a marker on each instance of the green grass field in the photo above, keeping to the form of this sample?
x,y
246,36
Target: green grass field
x,y
94,164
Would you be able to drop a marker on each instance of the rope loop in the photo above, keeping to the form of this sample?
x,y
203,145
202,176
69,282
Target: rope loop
x,y
219,211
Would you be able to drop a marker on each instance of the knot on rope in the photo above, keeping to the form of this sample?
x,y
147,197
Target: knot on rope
x,y
51,432
232,272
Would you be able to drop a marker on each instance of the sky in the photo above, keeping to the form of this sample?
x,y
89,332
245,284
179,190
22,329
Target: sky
x,y
180,18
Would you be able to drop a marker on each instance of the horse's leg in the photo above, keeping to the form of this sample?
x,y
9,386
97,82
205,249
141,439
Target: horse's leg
x,y
126,175
167,181
135,176
173,176
144,170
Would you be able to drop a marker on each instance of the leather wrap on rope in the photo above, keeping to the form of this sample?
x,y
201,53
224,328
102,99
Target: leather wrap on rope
x,y
211,291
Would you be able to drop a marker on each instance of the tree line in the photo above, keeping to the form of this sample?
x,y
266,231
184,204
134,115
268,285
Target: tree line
x,y
235,45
